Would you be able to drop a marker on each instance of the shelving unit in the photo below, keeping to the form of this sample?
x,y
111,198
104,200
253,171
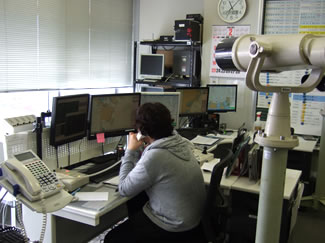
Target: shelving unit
x,y
194,49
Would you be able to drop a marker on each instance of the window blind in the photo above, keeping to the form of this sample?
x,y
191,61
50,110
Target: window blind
x,y
65,44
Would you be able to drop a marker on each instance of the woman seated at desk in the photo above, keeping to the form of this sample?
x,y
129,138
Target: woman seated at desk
x,y
170,176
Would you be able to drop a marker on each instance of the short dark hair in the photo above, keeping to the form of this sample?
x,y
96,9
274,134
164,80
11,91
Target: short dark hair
x,y
154,120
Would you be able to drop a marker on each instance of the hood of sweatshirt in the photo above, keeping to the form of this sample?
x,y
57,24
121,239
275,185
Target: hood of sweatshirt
x,y
175,144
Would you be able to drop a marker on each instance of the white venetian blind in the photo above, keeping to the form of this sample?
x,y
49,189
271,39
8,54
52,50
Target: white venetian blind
x,y
61,44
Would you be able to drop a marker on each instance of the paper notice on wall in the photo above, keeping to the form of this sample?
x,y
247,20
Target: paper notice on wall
x,y
305,112
219,33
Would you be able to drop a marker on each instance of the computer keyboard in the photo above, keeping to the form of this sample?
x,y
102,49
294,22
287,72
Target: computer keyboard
x,y
191,133
106,175
103,158
98,167
97,164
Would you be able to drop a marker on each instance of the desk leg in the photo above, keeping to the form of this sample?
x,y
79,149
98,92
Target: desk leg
x,y
271,195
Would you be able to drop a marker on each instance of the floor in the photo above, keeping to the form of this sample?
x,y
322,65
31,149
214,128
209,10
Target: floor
x,y
310,226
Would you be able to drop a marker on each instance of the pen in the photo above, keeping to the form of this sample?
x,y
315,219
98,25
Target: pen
x,y
75,191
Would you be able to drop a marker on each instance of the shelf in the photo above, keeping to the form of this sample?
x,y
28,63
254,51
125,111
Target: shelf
x,y
193,63
173,43
173,82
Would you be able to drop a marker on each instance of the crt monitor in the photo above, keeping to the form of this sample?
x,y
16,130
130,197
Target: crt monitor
x,y
194,100
169,99
151,66
113,114
222,98
69,118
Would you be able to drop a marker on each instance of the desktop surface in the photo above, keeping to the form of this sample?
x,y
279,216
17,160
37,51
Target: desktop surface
x,y
97,164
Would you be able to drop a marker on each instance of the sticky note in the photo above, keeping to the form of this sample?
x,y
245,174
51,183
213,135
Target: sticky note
x,y
100,138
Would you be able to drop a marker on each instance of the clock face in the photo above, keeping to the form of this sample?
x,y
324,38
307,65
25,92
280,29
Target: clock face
x,y
231,10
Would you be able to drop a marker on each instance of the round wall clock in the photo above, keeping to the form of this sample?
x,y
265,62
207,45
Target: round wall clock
x,y
231,11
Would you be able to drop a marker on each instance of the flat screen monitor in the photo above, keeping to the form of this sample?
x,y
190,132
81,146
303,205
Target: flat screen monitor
x,y
222,98
194,101
152,89
151,66
69,118
113,114
169,99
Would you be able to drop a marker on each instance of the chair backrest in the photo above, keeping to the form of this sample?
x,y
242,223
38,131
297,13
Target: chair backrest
x,y
237,150
215,200
241,133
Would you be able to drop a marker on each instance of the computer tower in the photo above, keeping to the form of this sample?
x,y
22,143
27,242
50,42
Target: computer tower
x,y
182,63
187,30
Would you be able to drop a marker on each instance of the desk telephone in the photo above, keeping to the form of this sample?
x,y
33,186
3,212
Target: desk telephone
x,y
32,176
35,181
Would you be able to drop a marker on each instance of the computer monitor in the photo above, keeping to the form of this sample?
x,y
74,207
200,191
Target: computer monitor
x,y
113,114
151,66
222,98
194,100
69,118
169,99
152,89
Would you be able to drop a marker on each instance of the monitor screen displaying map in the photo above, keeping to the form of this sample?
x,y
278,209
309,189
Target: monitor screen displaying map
x,y
169,99
194,100
113,114
69,119
222,98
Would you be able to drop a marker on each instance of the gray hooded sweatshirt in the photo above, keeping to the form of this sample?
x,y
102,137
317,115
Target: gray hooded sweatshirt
x,y
172,179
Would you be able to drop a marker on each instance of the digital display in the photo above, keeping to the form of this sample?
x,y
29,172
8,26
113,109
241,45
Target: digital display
x,y
151,66
24,156
194,101
169,99
222,98
113,114
69,118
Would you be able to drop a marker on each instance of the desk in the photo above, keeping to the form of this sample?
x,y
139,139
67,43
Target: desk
x,y
301,158
244,197
245,185
78,222
305,145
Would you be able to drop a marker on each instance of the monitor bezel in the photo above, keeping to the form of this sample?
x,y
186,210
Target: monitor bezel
x,y
195,113
53,127
166,93
152,76
111,133
210,111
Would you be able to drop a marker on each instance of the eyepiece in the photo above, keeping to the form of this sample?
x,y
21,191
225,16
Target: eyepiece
x,y
223,54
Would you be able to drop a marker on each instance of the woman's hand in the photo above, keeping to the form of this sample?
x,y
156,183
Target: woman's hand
x,y
133,143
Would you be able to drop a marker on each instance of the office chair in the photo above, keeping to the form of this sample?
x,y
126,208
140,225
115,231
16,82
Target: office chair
x,y
240,153
241,133
216,210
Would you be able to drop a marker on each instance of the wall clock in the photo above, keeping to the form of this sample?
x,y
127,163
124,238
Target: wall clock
x,y
232,11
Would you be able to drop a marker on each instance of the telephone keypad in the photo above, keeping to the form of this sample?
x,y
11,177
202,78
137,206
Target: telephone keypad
x,y
47,179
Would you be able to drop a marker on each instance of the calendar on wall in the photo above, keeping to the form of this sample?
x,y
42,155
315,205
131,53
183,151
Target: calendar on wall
x,y
220,32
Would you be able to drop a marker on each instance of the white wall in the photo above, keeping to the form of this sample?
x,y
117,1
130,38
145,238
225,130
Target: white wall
x,y
246,98
158,17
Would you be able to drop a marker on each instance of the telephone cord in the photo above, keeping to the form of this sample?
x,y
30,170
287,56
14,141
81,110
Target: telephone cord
x,y
44,222
20,219
104,170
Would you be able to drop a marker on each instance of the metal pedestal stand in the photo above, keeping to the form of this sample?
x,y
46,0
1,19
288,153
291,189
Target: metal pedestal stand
x,y
319,196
